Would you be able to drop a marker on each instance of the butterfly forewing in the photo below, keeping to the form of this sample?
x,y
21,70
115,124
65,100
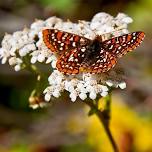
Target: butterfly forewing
x,y
119,46
59,41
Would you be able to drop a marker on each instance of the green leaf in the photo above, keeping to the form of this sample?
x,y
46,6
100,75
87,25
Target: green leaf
x,y
92,111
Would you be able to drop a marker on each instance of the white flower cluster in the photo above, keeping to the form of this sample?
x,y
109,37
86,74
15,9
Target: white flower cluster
x,y
29,43
81,86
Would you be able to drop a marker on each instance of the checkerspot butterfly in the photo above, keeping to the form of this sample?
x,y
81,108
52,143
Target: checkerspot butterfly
x,y
79,54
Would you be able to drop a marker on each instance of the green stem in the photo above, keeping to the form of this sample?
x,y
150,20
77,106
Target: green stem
x,y
104,119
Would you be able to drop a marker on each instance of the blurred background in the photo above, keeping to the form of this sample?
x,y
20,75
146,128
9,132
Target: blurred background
x,y
64,126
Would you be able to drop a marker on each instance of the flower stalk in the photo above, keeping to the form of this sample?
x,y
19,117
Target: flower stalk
x,y
104,117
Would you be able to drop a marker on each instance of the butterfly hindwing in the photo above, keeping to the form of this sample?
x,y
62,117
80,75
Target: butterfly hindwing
x,y
102,63
71,60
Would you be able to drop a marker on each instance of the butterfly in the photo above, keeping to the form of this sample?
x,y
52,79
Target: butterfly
x,y
78,54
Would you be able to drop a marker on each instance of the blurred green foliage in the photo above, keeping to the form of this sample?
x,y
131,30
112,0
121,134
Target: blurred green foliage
x,y
141,12
82,147
62,6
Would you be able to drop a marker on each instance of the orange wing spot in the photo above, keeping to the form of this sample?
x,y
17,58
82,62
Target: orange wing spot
x,y
76,38
69,71
129,49
75,71
133,47
75,55
45,32
138,40
110,65
67,41
58,66
142,34
73,64
129,37
113,62
64,70
59,34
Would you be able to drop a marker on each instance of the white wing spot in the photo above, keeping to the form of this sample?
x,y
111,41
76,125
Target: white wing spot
x,y
132,41
98,61
67,66
71,58
62,44
134,33
73,44
76,60
134,37
109,42
104,60
110,47
71,39
119,47
61,48
83,49
82,40
101,51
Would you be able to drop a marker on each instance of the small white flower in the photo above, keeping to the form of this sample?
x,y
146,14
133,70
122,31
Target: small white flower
x,y
35,106
104,93
122,85
17,67
124,18
51,59
41,58
53,64
92,95
73,96
109,83
47,97
56,93
33,59
82,96
53,21
38,24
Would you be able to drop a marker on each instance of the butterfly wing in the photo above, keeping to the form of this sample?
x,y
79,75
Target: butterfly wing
x,y
59,41
119,46
112,49
101,63
71,60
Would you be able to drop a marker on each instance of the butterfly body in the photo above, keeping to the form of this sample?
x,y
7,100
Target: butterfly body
x,y
79,54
